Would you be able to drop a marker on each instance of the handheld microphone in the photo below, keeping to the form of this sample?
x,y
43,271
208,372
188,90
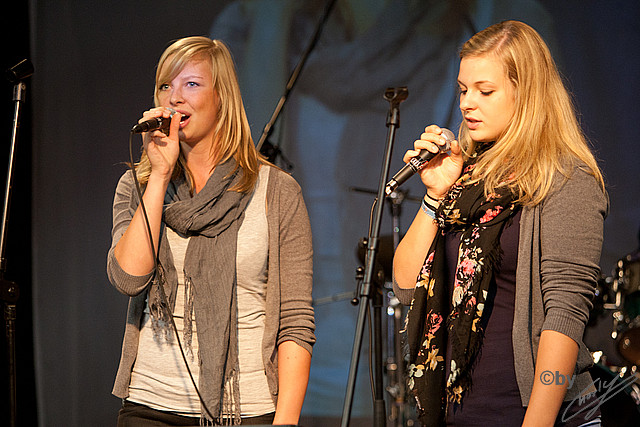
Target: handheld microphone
x,y
157,123
416,163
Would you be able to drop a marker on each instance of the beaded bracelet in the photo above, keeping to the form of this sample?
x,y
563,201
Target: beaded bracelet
x,y
429,210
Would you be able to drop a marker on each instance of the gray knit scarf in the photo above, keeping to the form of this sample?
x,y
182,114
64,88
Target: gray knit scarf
x,y
211,218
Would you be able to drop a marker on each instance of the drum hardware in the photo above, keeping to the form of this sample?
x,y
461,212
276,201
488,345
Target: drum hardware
x,y
633,389
619,297
606,289
629,341
622,295
618,406
618,320
401,411
599,357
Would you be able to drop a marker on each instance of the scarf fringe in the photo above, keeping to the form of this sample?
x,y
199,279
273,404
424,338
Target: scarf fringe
x,y
159,308
230,409
188,316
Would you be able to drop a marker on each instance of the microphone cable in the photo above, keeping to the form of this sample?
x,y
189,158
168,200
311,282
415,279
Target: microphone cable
x,y
158,272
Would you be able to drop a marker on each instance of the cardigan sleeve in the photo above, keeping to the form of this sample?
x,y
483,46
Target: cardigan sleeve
x,y
297,321
571,234
122,215
404,295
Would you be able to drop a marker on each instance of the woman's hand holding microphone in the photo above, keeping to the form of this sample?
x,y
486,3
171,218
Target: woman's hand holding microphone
x,y
442,171
162,148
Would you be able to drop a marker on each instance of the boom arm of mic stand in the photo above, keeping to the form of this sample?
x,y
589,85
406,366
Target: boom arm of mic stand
x,y
395,96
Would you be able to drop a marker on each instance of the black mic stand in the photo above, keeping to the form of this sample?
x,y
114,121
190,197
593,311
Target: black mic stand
x,y
270,151
10,290
367,291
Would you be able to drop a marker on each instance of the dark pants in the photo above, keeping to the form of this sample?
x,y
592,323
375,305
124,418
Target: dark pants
x,y
135,415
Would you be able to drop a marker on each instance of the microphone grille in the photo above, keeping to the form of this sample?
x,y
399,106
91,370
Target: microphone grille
x,y
449,138
448,135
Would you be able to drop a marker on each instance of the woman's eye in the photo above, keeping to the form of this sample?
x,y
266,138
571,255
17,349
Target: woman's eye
x,y
487,93
192,84
164,86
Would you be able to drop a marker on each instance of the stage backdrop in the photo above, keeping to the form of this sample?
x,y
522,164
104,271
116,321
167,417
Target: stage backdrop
x,y
95,65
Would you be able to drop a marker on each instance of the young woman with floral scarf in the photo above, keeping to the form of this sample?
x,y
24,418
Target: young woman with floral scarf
x,y
230,279
501,261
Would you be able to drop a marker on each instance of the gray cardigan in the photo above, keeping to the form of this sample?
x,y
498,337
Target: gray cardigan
x,y
289,314
558,267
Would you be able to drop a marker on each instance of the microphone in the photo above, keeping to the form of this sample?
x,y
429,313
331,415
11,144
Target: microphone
x,y
416,163
157,123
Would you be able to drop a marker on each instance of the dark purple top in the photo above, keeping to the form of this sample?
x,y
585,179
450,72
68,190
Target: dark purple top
x,y
494,398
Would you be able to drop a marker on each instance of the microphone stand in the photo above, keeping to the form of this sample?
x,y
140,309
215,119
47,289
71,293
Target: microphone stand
x,y
264,146
368,292
10,291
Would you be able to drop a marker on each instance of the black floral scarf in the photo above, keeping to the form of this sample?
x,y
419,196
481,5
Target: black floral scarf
x,y
481,220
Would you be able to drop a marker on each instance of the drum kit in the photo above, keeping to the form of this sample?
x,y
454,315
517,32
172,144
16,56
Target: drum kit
x,y
616,318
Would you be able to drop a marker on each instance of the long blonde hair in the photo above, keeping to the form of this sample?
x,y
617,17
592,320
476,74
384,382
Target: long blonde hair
x,y
543,137
232,133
